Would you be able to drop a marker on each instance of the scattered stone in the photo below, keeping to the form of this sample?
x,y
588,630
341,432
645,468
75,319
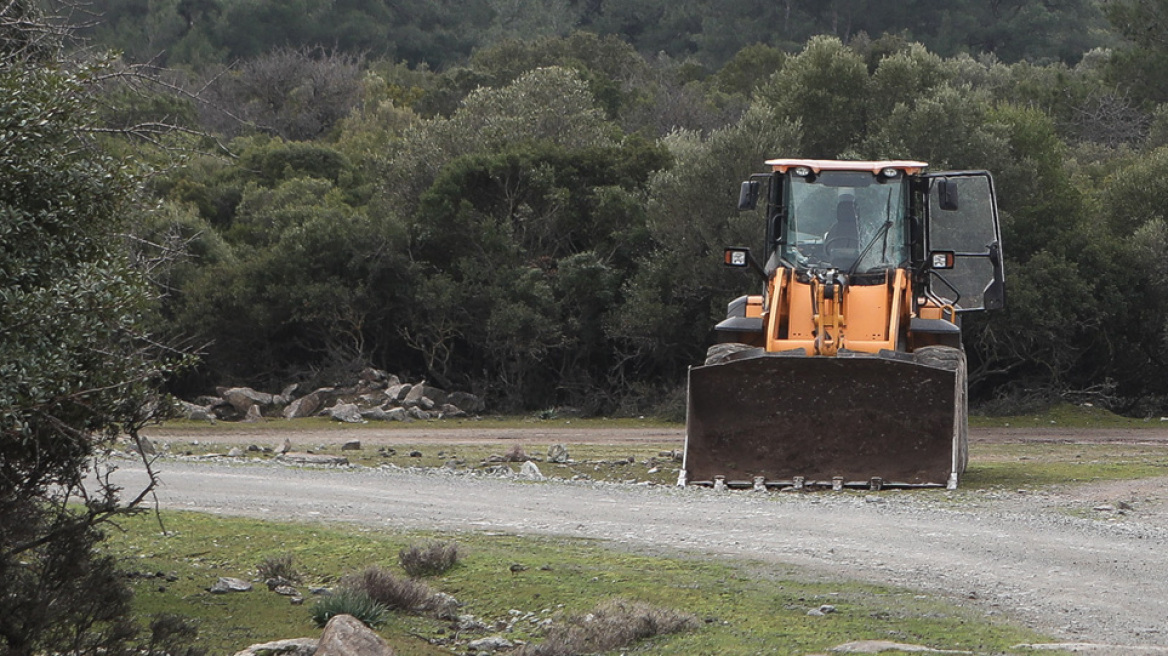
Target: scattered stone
x,y
351,445
227,584
312,459
286,590
253,448
490,643
874,499
293,647
1104,508
415,454
443,606
345,635
469,623
323,592
530,471
296,601
235,452
558,453
194,412
419,414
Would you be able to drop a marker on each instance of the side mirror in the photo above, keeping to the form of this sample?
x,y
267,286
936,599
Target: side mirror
x,y
748,195
947,194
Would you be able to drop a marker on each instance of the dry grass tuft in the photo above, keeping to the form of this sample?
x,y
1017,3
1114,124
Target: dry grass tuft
x,y
614,624
430,559
280,567
392,591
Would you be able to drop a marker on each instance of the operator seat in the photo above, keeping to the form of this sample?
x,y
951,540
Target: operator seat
x,y
841,244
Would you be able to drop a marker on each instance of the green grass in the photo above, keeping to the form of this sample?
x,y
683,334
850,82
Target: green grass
x,y
746,608
1065,415
1034,465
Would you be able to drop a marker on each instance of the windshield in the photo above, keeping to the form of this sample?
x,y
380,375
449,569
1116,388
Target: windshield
x,y
848,220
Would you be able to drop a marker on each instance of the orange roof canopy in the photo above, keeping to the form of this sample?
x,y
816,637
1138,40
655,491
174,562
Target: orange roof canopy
x,y
817,165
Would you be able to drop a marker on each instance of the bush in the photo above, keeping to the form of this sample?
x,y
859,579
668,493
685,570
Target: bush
x,y
390,591
350,601
611,625
431,559
278,567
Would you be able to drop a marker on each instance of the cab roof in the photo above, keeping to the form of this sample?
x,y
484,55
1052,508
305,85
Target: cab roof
x,y
875,166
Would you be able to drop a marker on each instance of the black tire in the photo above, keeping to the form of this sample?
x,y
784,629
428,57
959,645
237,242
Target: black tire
x,y
719,353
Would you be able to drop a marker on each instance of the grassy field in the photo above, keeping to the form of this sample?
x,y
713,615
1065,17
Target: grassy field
x,y
743,608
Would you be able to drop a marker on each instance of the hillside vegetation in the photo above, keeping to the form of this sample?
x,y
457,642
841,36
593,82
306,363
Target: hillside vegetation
x,y
528,200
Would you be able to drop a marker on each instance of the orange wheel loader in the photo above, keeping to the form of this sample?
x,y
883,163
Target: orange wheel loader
x,y
848,370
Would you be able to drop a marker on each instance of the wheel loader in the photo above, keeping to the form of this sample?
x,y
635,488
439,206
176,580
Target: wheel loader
x,y
847,370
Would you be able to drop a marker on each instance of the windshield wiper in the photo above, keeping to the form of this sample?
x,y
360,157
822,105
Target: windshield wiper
x,y
882,232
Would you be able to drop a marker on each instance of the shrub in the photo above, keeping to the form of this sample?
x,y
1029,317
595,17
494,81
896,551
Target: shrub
x,y
430,559
612,625
390,591
278,567
349,601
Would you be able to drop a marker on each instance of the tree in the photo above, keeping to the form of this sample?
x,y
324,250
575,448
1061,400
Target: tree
x,y
76,369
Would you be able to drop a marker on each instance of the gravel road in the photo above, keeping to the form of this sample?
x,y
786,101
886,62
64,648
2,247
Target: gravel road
x,y
1047,559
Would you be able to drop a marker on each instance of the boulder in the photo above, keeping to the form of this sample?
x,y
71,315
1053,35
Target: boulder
x,y
450,411
466,402
345,635
381,414
425,391
195,412
558,453
351,445
254,414
490,643
531,471
346,412
419,414
292,647
397,393
305,406
243,398
227,584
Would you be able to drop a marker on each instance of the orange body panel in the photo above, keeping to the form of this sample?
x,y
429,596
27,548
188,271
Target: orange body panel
x,y
804,315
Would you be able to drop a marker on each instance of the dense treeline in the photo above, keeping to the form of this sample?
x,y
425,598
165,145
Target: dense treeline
x,y
540,220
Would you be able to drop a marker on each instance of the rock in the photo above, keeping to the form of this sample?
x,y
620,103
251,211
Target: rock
x,y
254,414
424,391
345,635
286,590
235,453
253,448
285,395
397,393
227,584
466,402
143,446
469,623
351,445
450,411
1104,508
558,453
346,412
490,643
293,647
443,606
243,398
415,454
418,413
305,406
531,472
195,412
312,459
381,414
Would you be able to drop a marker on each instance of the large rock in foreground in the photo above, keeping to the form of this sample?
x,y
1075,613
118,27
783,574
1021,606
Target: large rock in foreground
x,y
345,635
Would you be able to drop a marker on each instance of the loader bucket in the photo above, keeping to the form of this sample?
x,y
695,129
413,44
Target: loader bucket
x,y
854,420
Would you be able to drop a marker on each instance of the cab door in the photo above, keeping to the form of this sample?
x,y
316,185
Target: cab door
x,y
963,241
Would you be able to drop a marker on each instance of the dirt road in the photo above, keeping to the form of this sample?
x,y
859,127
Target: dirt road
x,y
1046,559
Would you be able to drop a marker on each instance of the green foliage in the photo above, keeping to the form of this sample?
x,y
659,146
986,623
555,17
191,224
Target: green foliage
x,y
349,601
77,368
